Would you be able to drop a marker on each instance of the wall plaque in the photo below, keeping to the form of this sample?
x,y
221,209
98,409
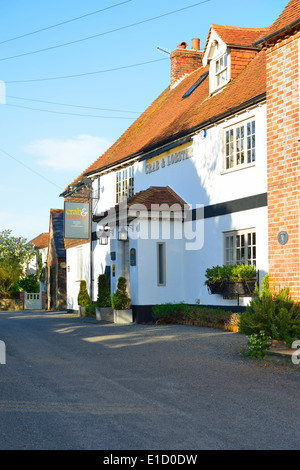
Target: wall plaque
x,y
283,238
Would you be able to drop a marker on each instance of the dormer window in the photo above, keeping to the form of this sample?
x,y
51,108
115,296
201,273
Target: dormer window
x,y
221,71
219,60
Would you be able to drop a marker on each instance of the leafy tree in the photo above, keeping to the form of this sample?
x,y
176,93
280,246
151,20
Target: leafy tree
x,y
15,253
13,249
10,274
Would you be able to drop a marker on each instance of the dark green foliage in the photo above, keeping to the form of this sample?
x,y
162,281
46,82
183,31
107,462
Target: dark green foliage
x,y
120,298
83,296
237,272
178,313
90,310
275,314
30,284
103,299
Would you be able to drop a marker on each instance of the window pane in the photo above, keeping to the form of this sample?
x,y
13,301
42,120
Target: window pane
x,y
238,150
161,264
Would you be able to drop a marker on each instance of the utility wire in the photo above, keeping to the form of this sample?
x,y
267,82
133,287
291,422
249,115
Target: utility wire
x,y
29,168
68,114
104,33
63,22
84,74
72,105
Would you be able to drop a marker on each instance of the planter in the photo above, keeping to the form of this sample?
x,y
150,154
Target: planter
x,y
233,288
244,288
215,288
122,317
81,311
105,314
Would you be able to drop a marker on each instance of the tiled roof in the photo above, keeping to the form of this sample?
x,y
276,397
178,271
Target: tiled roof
x,y
171,116
57,218
41,241
156,195
237,36
149,197
290,14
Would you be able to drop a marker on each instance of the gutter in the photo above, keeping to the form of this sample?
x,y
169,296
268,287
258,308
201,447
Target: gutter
x,y
277,33
158,148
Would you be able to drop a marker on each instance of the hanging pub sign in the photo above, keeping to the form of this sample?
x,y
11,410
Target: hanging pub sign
x,y
76,220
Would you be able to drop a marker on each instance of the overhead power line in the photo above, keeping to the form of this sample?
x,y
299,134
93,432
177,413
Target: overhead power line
x,y
84,74
104,33
29,168
64,22
68,114
73,105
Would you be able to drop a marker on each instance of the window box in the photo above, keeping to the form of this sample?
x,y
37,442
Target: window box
x,y
231,281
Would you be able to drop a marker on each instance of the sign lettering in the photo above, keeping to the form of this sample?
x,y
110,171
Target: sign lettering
x,y
168,160
76,220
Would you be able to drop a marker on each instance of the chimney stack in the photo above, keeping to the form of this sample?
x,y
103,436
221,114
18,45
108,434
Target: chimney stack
x,y
196,44
184,61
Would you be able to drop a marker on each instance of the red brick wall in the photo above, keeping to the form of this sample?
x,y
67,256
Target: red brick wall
x,y
240,58
283,163
183,62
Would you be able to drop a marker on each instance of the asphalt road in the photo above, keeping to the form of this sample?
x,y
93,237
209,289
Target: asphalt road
x,y
72,384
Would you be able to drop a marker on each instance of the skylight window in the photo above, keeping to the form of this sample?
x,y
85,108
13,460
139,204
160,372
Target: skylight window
x,y
196,84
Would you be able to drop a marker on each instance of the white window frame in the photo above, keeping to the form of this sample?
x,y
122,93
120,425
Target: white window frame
x,y
240,247
221,71
240,145
124,184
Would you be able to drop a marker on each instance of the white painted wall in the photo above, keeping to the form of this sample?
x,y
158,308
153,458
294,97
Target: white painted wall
x,y
199,180
75,273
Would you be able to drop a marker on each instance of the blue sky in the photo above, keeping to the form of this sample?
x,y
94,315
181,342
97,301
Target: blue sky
x,y
44,144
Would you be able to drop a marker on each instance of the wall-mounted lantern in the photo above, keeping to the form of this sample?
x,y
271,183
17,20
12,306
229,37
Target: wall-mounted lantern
x,y
123,235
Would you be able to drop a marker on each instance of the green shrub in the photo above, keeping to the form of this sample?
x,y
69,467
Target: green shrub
x,y
83,296
274,314
103,299
205,316
258,344
90,310
236,272
120,298
30,284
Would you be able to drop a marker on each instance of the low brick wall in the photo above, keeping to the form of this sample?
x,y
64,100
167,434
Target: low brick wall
x,y
13,304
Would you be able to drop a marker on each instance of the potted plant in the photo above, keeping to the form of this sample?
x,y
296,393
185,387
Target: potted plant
x,y
83,298
104,311
121,303
231,280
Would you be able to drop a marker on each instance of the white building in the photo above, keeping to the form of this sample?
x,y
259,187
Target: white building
x,y
37,266
187,182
